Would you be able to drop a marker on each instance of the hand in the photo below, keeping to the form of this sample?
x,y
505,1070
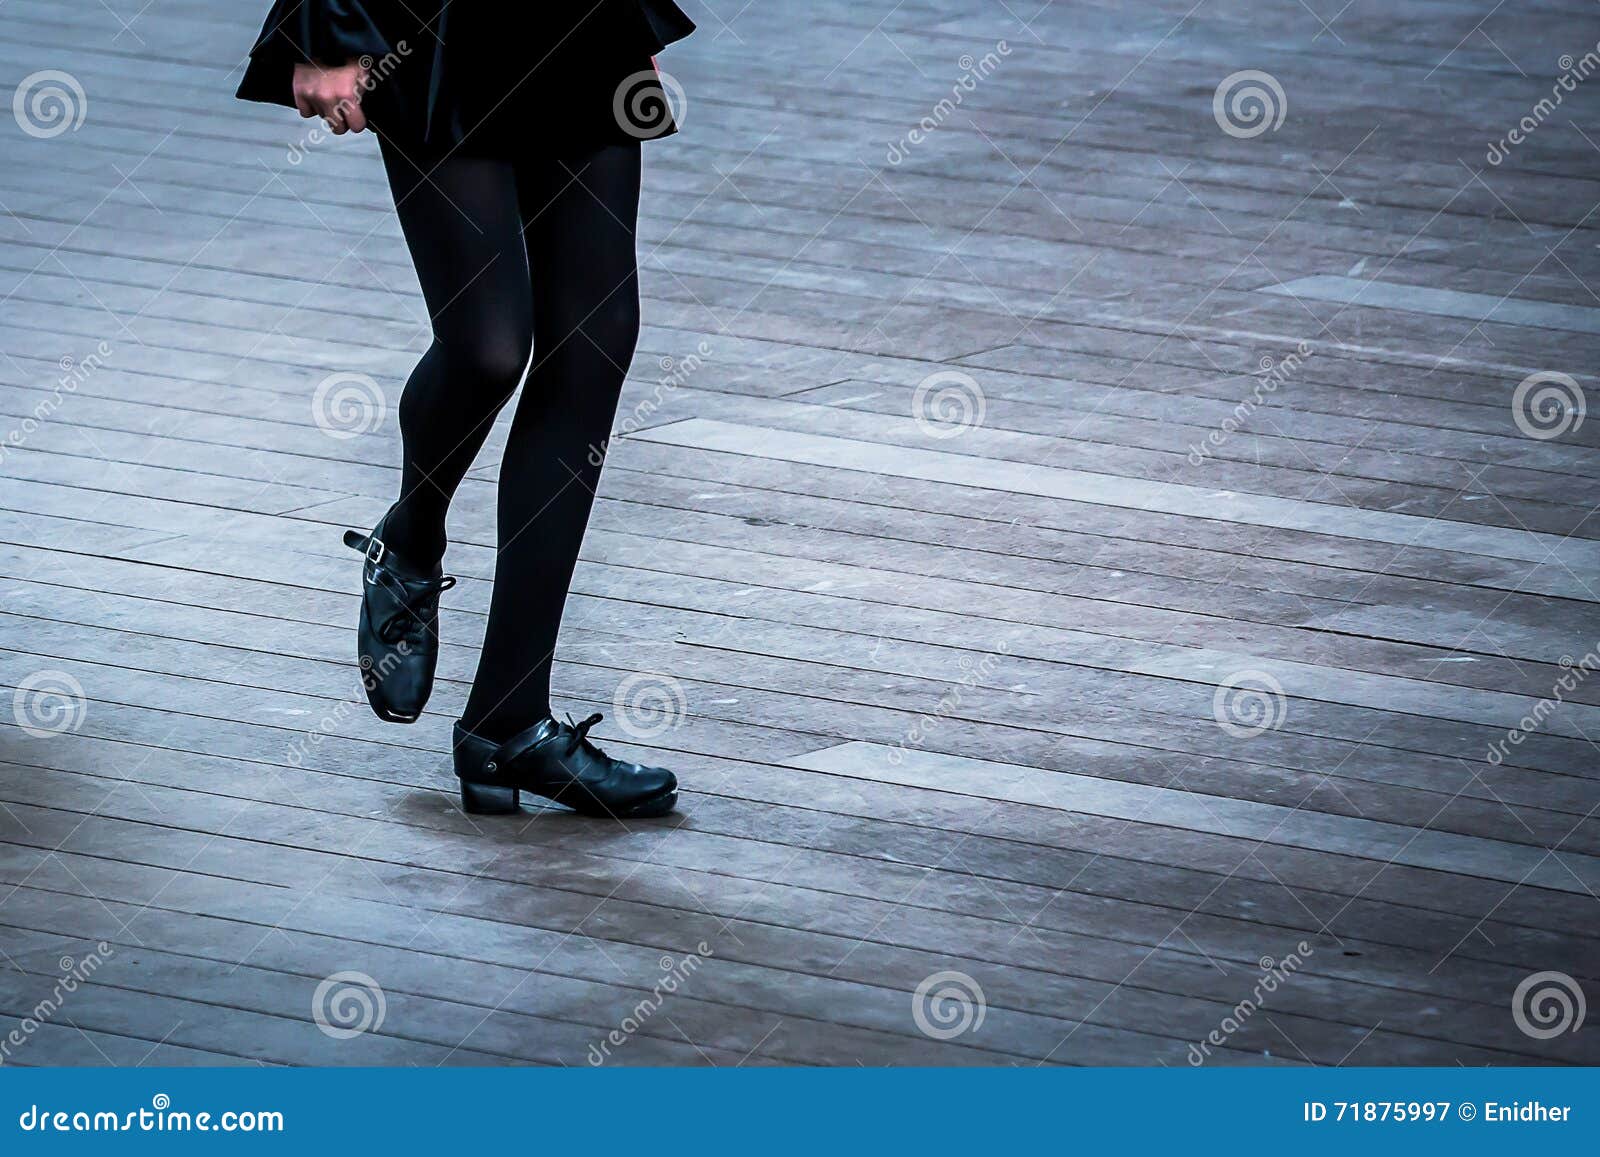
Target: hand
x,y
334,94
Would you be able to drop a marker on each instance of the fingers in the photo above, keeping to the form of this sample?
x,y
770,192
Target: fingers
x,y
342,110
334,113
332,94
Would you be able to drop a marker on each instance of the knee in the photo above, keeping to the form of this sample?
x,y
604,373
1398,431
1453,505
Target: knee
x,y
490,362
497,364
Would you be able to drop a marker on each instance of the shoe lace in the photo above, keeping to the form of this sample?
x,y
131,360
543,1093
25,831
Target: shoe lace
x,y
419,603
578,734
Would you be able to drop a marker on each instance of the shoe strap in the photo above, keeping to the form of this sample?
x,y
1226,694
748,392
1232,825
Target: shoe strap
x,y
524,741
376,551
368,544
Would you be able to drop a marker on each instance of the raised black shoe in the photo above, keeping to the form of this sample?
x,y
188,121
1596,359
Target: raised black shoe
x,y
397,639
557,761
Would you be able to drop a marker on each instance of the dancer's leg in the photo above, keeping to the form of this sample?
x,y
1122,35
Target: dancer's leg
x,y
463,224
580,218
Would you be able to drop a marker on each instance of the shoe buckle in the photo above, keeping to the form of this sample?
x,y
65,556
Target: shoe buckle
x,y
375,550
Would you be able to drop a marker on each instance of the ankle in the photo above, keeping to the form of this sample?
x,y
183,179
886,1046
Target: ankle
x,y
499,727
419,542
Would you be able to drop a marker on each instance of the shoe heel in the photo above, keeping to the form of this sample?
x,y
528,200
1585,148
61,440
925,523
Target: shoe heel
x,y
484,800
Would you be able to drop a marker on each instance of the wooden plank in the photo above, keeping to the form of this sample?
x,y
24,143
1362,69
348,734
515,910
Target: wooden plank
x,y
1551,868
1053,482
1442,302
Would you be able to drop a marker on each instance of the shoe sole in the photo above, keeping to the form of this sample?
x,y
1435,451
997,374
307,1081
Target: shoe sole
x,y
388,715
382,710
494,800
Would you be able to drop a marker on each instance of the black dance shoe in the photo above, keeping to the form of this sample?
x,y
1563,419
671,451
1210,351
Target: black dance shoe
x,y
557,761
397,639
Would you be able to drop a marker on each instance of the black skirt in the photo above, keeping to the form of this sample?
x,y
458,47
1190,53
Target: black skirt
x,y
486,77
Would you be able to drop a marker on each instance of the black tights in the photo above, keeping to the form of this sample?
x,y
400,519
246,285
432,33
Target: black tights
x,y
513,255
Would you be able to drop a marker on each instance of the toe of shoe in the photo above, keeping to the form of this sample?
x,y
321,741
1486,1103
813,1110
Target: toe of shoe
x,y
653,781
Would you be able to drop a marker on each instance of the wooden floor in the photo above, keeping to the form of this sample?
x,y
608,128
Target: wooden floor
x,y
1085,552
